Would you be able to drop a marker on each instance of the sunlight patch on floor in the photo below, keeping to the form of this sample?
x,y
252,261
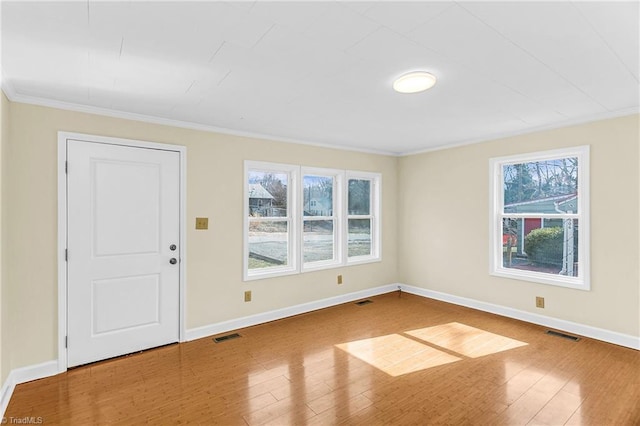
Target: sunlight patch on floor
x,y
397,355
465,340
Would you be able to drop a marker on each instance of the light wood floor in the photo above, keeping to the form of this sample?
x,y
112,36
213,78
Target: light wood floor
x,y
402,359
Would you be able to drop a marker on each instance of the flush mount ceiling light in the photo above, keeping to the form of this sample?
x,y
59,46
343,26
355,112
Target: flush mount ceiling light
x,y
414,82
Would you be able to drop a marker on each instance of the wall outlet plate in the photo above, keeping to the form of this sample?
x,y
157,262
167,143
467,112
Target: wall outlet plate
x,y
340,279
539,302
247,296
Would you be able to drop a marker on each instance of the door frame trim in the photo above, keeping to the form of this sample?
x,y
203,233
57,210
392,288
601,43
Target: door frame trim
x,y
63,137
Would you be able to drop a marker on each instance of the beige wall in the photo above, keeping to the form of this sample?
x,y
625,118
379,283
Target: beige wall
x,y
443,236
4,142
214,189
435,225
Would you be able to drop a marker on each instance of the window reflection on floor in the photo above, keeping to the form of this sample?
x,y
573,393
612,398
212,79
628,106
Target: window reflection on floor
x,y
397,355
427,347
465,340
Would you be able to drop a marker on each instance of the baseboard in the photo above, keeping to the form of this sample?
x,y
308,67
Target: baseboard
x,y
222,327
609,336
23,375
50,368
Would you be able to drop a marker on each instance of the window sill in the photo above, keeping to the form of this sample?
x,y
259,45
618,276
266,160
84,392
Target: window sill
x,y
362,260
262,275
549,279
282,273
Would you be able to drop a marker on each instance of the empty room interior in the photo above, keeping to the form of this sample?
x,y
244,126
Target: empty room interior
x,y
323,212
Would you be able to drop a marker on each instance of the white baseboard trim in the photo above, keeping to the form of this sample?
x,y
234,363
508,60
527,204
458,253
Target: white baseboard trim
x,y
222,327
50,368
23,375
609,336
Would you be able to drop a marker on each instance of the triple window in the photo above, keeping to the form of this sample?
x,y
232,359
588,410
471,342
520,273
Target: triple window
x,y
300,219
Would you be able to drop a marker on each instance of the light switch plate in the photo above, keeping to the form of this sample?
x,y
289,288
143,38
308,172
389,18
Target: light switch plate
x,y
202,223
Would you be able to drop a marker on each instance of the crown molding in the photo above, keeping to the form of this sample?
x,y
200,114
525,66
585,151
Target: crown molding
x,y
69,106
565,123
13,96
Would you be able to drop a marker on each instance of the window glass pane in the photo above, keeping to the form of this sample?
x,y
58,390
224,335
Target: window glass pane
x,y
547,186
318,196
318,240
359,242
268,244
549,246
267,194
359,197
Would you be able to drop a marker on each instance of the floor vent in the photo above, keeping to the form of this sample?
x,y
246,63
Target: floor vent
x,y
565,336
227,337
363,302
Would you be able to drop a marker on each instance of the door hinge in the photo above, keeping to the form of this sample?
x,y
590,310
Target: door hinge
x,y
66,255
66,341
66,167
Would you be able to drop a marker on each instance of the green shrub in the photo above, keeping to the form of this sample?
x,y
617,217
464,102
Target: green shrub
x,y
544,246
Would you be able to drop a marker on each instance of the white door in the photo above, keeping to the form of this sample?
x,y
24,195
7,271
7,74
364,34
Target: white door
x,y
123,226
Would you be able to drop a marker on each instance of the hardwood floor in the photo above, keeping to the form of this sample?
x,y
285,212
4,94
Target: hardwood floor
x,y
402,359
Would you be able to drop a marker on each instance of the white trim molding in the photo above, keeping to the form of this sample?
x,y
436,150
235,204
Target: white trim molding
x,y
14,96
50,368
23,375
578,278
63,137
609,336
235,324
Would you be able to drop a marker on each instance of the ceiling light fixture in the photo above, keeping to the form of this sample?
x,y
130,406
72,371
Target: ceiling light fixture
x,y
414,82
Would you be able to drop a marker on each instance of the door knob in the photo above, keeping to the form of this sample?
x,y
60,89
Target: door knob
x,y
173,261
173,247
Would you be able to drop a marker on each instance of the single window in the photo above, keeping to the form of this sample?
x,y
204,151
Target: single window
x,y
270,227
363,225
539,217
320,227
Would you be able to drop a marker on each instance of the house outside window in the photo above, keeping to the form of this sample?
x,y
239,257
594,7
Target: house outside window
x,y
299,219
540,217
270,228
321,204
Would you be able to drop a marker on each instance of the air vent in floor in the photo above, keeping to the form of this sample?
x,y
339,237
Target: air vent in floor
x,y
363,302
225,338
564,336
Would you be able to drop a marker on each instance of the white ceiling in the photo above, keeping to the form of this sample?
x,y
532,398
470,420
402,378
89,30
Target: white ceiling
x,y
321,72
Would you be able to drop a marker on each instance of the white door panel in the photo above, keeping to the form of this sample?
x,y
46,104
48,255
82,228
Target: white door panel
x,y
131,216
123,216
138,296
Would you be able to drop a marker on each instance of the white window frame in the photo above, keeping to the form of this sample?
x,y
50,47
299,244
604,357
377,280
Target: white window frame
x,y
374,216
496,214
291,218
295,218
338,178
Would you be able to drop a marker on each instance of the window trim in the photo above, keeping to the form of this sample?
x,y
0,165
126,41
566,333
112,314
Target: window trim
x,y
338,182
295,200
496,213
292,194
374,215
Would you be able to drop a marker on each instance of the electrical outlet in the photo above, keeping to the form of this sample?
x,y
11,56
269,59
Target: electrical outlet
x,y
539,302
202,223
247,296
339,279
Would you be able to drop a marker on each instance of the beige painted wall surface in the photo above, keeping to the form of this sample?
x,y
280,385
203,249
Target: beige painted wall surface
x,y
444,221
4,141
215,189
